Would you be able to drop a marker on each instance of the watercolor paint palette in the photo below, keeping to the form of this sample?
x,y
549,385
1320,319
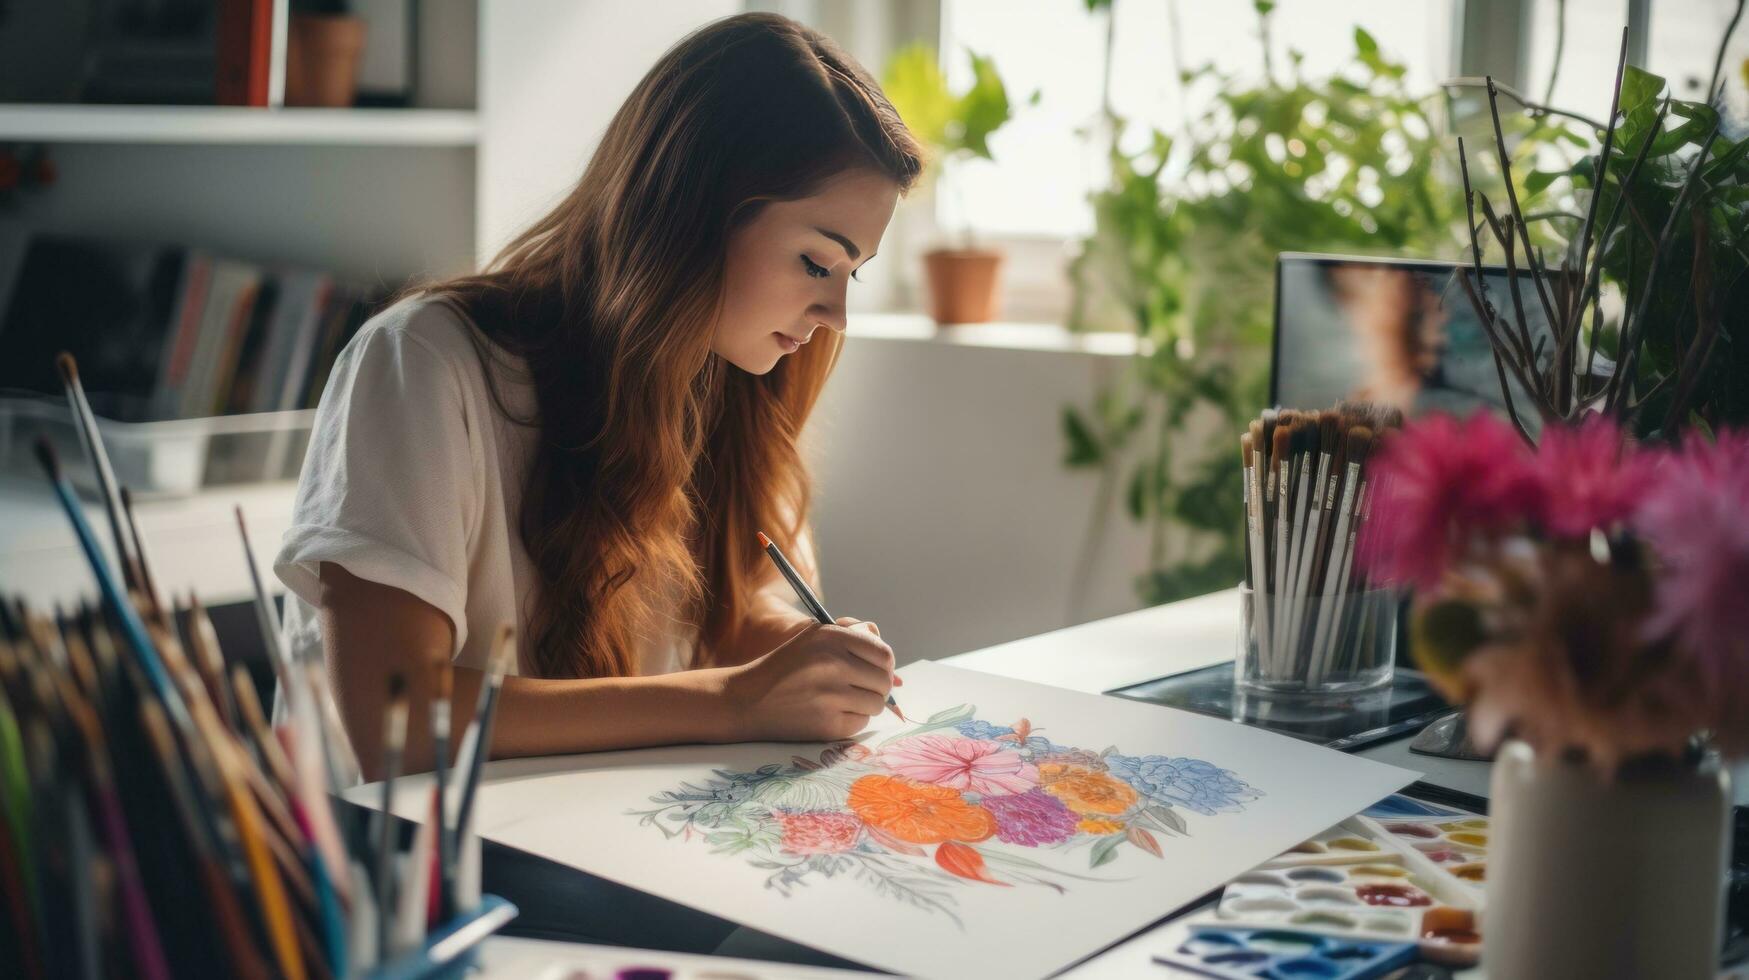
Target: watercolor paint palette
x,y
1277,954
1394,874
1347,842
1454,847
1378,900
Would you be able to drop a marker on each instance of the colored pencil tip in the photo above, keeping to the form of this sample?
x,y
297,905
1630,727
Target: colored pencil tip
x,y
764,542
68,367
45,454
896,711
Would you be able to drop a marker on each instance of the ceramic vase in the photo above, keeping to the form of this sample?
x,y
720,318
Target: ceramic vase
x,y
1600,878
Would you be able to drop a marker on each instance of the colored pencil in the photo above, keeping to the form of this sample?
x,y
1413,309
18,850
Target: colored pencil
x,y
440,709
806,594
477,744
394,741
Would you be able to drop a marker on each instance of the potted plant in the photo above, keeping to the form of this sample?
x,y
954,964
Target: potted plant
x,y
324,45
1581,592
962,278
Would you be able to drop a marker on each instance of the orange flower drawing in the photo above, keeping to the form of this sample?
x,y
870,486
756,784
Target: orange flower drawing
x,y
1098,825
1085,791
918,813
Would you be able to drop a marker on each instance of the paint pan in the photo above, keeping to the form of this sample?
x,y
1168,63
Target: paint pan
x,y
1454,847
1245,954
1344,843
1379,897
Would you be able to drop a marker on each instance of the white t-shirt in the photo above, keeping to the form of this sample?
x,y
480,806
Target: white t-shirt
x,y
414,479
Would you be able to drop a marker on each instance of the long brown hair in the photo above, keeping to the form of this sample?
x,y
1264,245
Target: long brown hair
x,y
656,462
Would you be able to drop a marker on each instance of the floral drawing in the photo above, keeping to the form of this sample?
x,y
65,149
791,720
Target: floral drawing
x,y
951,802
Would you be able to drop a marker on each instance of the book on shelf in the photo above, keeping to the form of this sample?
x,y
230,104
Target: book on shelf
x,y
165,331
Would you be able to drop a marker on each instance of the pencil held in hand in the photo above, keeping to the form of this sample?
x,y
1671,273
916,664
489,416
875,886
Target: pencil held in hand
x,y
815,607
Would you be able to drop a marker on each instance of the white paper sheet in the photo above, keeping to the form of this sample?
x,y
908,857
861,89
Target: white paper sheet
x,y
973,846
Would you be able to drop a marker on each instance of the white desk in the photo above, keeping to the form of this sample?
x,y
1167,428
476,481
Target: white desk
x,y
192,541
1093,657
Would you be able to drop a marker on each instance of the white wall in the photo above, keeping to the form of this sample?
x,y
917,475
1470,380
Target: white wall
x,y
942,509
551,75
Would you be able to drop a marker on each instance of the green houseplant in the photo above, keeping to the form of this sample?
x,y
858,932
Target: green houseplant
x,y
1186,235
953,125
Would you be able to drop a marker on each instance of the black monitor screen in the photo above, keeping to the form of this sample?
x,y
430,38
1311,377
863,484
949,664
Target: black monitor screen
x,y
1397,332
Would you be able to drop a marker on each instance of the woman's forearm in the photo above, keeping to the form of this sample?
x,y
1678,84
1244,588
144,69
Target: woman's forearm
x,y
552,717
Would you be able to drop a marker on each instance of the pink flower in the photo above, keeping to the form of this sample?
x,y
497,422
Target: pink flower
x,y
1696,519
818,831
965,764
1592,476
1031,818
1437,484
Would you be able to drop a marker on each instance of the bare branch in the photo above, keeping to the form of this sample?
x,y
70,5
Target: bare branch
x,y
1512,200
1631,350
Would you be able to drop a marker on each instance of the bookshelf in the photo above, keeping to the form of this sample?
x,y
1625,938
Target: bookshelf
x,y
237,125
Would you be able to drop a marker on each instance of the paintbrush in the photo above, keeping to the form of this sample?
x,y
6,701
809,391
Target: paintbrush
x,y
440,709
1358,441
1304,455
1254,562
209,660
85,423
142,562
477,744
394,741
265,617
808,598
1281,452
114,593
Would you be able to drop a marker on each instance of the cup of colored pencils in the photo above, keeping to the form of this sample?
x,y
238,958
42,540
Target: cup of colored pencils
x,y
1311,622
154,824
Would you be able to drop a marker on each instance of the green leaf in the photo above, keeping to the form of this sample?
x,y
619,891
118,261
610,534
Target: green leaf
x,y
1136,493
1639,89
1168,819
916,87
982,109
1105,851
1084,447
953,715
1365,44
1538,181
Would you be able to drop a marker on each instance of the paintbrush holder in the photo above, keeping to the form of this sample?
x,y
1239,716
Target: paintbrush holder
x,y
1316,645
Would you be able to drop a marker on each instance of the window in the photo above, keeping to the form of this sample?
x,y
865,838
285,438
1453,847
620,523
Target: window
x,y
1683,42
1038,184
1679,43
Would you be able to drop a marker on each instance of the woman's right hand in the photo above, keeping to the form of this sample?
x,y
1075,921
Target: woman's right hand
x,y
824,683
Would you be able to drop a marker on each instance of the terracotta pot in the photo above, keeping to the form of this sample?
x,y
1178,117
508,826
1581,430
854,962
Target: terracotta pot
x,y
321,60
962,284
1605,879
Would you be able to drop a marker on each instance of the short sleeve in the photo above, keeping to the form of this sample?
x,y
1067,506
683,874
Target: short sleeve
x,y
390,485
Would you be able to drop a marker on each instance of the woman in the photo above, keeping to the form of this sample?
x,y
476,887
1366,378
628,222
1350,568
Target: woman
x,y
584,439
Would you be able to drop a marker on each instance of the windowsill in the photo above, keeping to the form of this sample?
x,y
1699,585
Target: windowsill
x,y
1038,337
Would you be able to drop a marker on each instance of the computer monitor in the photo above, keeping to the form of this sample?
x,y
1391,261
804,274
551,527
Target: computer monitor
x,y
1397,331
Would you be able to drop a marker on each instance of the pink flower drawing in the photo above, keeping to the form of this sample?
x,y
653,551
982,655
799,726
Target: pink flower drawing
x,y
1031,818
965,764
818,831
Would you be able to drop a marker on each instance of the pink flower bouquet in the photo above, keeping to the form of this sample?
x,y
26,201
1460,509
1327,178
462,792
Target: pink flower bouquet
x,y
1589,594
